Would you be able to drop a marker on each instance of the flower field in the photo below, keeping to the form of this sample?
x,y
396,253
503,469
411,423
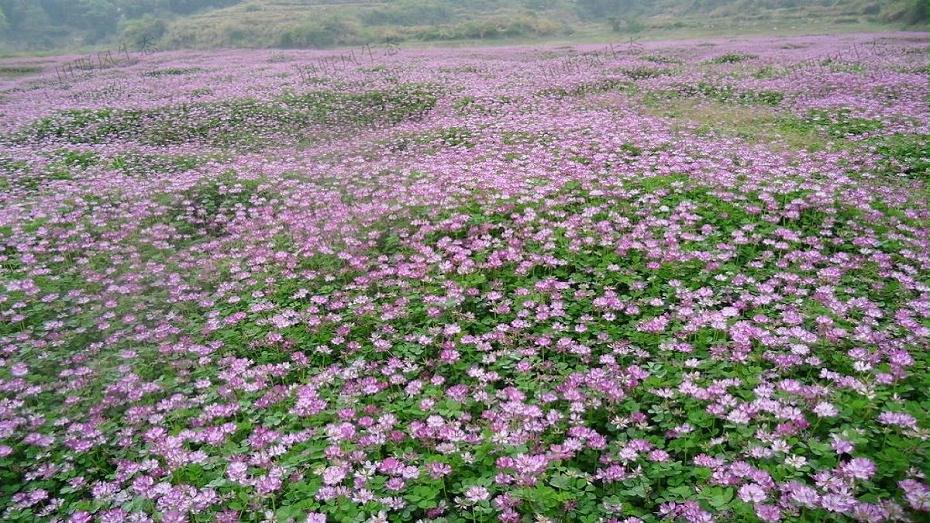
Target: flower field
x,y
679,281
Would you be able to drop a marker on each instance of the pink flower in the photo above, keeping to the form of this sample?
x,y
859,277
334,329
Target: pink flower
x,y
237,472
438,469
476,493
449,356
825,410
858,468
751,493
532,464
394,484
900,419
837,502
267,484
334,475
841,446
658,455
916,493
654,325
768,513
80,516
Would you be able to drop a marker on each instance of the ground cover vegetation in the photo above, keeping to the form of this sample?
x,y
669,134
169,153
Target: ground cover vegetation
x,y
663,282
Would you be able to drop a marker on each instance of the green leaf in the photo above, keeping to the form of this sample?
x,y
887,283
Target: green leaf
x,y
560,481
718,497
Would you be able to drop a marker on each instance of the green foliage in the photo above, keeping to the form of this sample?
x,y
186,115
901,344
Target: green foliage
x,y
409,13
640,73
731,58
48,23
632,25
29,22
82,159
172,71
598,86
840,123
403,102
917,13
766,72
659,59
148,27
18,70
327,23
197,213
98,17
141,164
905,153
237,122
500,26
602,9
319,34
720,93
451,137
920,69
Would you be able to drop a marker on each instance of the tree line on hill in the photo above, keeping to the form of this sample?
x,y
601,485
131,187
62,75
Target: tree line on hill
x,y
46,24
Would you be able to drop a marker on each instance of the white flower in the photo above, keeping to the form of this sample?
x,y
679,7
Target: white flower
x,y
795,461
825,410
862,366
779,445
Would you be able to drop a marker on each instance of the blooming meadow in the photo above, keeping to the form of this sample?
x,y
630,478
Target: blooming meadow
x,y
680,281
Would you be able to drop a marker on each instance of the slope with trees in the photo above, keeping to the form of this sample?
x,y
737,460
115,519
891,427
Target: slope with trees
x,y
34,25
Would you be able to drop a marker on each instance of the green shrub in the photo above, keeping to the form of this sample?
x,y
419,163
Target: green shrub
x,y
917,13
148,28
19,70
320,34
904,154
172,71
409,13
237,122
731,58
631,25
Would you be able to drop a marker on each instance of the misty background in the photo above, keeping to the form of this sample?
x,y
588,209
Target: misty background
x,y
46,25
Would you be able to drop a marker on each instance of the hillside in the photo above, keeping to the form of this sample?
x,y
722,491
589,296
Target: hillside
x,y
60,25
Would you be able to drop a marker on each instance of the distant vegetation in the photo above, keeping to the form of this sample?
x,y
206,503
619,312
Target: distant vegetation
x,y
35,25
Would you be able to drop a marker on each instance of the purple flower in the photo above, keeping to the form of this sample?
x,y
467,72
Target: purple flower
x,y
858,468
916,493
768,513
334,475
751,493
836,502
438,469
476,493
658,455
900,419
